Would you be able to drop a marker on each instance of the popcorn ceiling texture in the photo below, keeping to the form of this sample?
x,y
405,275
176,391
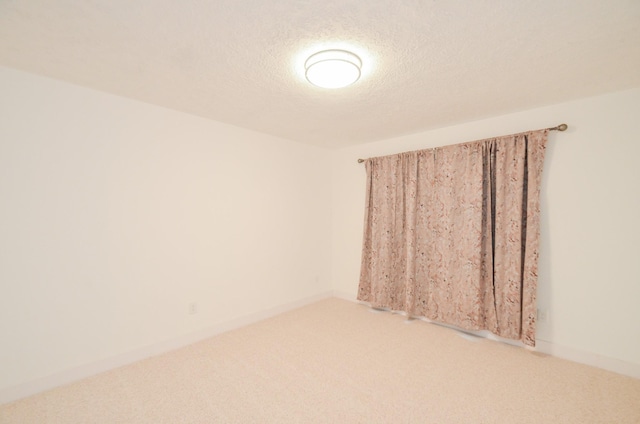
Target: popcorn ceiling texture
x,y
427,64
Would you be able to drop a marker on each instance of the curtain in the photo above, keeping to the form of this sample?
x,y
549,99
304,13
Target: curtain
x,y
451,234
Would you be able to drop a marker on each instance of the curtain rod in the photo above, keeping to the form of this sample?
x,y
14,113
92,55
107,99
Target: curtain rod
x,y
561,127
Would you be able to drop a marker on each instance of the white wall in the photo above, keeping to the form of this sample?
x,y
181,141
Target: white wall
x,y
589,279
115,215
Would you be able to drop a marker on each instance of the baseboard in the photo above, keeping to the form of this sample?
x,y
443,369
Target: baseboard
x,y
589,358
546,347
71,375
344,295
74,374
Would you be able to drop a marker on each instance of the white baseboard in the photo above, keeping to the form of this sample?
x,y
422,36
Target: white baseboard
x,y
74,374
77,373
345,296
583,357
588,358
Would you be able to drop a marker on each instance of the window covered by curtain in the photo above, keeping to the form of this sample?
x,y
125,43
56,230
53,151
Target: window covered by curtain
x,y
451,234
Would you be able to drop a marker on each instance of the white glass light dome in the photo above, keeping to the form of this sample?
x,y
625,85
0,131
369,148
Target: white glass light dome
x,y
333,68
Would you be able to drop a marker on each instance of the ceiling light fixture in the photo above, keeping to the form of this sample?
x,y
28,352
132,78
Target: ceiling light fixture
x,y
333,68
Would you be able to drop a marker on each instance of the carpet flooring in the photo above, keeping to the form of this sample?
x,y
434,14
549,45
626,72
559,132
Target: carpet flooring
x,y
336,361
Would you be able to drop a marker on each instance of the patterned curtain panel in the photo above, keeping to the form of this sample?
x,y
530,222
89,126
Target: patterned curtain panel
x,y
451,234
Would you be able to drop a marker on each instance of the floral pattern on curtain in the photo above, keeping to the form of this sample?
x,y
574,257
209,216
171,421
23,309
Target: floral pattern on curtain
x,y
451,234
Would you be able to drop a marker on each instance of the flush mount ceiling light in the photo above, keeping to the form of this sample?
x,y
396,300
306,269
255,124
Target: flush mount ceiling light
x,y
332,68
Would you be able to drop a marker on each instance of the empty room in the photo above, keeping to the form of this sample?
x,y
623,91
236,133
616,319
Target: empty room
x,y
319,211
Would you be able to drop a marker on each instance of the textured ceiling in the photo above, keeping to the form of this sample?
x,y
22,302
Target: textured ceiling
x,y
427,63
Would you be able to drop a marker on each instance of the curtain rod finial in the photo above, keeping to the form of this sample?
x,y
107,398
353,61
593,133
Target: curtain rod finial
x,y
360,160
562,127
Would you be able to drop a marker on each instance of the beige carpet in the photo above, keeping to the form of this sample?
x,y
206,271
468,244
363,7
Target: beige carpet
x,y
338,362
